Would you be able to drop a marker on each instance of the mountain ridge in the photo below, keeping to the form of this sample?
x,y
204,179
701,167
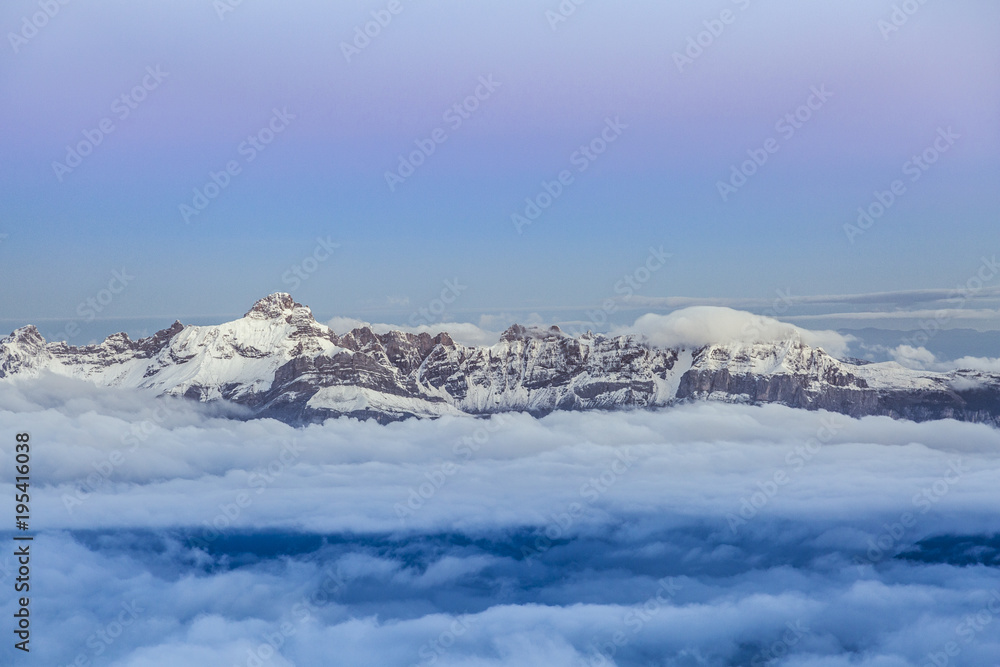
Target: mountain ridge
x,y
279,362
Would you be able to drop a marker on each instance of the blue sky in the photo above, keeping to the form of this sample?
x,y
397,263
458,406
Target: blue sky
x,y
324,174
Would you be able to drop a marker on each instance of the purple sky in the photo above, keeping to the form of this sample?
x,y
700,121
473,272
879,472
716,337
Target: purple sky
x,y
324,175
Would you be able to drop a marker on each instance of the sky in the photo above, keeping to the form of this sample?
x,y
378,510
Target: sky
x,y
308,114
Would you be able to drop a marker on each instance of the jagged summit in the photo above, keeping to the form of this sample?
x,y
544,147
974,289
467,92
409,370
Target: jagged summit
x,y
279,304
28,335
278,362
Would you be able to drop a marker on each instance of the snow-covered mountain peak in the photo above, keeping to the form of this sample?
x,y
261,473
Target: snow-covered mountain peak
x,y
279,305
26,337
22,351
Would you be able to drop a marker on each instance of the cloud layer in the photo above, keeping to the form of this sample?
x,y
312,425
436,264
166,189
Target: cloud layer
x,y
702,535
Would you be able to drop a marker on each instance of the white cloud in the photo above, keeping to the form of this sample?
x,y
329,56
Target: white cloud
x,y
920,358
917,358
704,325
462,333
451,582
987,364
342,325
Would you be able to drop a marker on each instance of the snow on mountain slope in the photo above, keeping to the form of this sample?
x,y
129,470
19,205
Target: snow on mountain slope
x,y
279,362
353,400
226,361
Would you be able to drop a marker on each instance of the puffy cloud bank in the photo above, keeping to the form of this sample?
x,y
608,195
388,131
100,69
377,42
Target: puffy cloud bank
x,y
702,535
920,358
704,325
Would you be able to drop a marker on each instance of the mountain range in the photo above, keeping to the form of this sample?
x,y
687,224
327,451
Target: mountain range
x,y
277,361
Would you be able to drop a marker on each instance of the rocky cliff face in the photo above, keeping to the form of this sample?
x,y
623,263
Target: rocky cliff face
x,y
279,362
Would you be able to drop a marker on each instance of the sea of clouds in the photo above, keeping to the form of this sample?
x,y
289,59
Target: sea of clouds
x,y
706,534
